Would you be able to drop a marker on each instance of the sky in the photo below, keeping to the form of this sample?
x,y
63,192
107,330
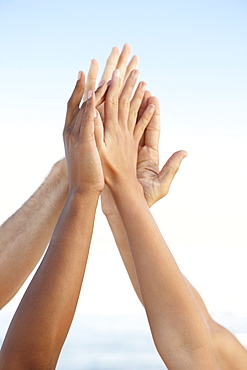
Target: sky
x,y
193,56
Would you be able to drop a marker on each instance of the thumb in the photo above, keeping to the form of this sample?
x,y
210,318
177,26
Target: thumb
x,y
171,167
75,99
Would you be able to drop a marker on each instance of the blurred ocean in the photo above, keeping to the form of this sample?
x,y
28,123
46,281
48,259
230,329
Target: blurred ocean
x,y
118,341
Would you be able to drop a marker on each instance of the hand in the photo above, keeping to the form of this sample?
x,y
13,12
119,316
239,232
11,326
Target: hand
x,y
83,162
119,61
116,60
155,183
119,141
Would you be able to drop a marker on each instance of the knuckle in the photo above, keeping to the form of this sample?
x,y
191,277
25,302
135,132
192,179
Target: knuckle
x,y
114,101
125,103
134,113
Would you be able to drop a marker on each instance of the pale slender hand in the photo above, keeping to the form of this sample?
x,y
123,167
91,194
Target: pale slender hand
x,y
122,131
155,183
119,61
91,80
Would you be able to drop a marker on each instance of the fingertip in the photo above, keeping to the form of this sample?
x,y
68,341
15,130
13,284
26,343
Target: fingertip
x,y
143,86
147,94
80,78
127,46
135,58
135,73
115,49
151,108
184,154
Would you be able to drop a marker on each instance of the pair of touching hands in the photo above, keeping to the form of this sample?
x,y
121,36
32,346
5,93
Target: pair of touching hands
x,y
113,135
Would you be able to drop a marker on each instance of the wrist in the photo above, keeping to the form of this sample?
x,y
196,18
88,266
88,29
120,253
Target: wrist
x,y
126,189
59,172
85,196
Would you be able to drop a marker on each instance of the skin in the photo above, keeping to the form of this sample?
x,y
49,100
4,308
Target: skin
x,y
229,352
177,326
44,316
26,234
19,238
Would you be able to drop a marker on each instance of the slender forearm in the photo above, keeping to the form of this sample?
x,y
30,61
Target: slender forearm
x,y
47,308
25,235
118,231
172,311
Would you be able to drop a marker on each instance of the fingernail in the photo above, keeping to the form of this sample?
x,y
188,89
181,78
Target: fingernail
x,y
136,73
151,107
101,83
143,86
79,76
89,94
117,72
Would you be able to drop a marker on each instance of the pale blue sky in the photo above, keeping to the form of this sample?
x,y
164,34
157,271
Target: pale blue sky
x,y
193,56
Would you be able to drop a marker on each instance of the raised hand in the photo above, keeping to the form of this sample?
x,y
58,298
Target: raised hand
x,y
155,183
80,146
119,61
178,330
122,131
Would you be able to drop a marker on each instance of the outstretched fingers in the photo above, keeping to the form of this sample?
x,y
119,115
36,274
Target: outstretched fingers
x,y
143,122
100,93
111,102
86,122
142,108
152,132
125,97
132,65
123,60
136,104
98,130
111,64
75,99
91,78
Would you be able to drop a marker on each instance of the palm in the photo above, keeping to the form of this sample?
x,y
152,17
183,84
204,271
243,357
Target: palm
x,y
148,174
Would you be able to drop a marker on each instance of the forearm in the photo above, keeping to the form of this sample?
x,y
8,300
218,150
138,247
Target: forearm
x,y
118,231
47,308
26,234
176,323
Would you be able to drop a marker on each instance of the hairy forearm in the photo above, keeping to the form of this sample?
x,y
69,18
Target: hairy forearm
x,y
47,308
25,235
175,321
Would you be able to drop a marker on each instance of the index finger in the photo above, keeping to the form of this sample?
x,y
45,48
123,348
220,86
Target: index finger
x,y
111,64
91,78
123,60
152,132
